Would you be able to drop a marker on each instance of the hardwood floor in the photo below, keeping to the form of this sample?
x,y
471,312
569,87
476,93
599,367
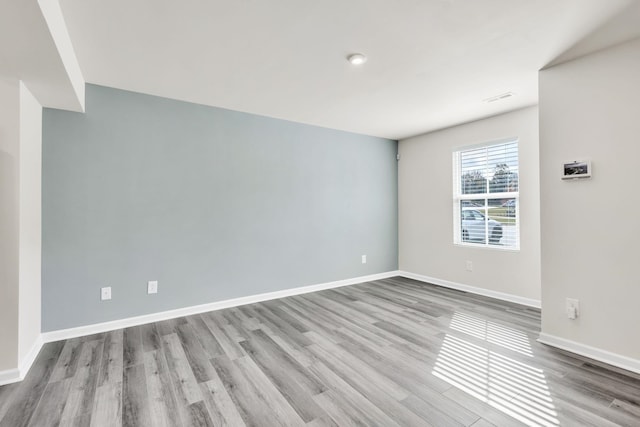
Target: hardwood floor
x,y
394,352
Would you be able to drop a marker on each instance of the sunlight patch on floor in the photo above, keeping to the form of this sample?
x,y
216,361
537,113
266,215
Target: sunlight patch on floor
x,y
492,332
515,388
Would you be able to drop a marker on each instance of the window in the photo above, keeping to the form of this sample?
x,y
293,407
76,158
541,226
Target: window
x,y
486,195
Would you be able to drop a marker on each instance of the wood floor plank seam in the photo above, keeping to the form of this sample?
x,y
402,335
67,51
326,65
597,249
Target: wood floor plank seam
x,y
392,352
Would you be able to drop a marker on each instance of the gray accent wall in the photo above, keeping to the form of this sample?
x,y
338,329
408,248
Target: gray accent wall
x,y
213,204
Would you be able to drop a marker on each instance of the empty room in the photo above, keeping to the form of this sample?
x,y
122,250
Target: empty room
x,y
334,213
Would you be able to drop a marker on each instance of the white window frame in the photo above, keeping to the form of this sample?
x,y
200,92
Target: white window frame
x,y
459,197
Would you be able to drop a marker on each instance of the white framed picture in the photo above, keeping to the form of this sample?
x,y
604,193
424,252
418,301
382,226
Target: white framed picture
x,y
576,169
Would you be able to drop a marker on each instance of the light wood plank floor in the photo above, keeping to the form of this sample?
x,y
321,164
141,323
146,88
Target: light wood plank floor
x,y
394,352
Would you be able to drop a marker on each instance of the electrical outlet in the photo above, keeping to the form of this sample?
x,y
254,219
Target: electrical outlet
x,y
364,259
105,293
469,266
573,308
152,287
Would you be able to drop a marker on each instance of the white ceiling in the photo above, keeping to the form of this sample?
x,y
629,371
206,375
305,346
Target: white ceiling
x,y
37,51
431,62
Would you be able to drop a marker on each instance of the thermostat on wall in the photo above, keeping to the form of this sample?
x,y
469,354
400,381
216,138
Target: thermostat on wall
x,y
576,169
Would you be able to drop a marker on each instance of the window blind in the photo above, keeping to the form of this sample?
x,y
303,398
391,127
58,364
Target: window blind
x,y
486,195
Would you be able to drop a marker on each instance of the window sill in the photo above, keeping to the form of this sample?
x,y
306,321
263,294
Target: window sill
x,y
489,247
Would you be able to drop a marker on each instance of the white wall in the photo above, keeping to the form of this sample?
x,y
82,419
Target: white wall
x,y
9,211
30,230
590,108
20,227
425,180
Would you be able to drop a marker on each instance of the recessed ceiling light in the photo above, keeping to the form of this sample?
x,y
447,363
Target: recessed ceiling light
x,y
357,59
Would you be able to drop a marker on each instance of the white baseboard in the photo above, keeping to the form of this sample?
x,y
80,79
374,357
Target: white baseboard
x,y
14,375
17,374
605,356
472,289
600,355
26,362
9,376
203,308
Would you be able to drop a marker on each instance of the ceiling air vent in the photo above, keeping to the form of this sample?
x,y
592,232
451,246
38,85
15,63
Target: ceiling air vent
x,y
499,97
